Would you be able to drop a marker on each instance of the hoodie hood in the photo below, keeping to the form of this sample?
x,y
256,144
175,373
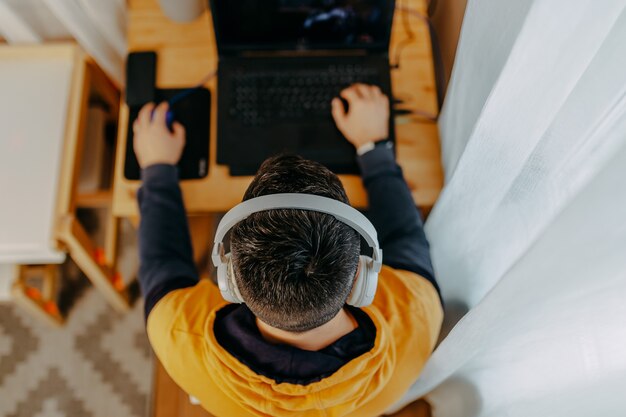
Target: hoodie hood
x,y
406,314
347,389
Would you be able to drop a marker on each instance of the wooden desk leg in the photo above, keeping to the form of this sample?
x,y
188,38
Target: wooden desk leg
x,y
418,408
72,234
41,304
111,240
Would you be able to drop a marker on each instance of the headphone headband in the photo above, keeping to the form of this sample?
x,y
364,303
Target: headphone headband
x,y
342,212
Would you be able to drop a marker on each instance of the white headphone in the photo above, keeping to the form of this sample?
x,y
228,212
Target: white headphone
x,y
365,285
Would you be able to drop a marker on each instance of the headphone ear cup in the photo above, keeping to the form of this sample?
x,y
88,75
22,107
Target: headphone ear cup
x,y
365,284
226,281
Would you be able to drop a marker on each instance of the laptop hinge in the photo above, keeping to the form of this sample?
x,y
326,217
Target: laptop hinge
x,y
303,53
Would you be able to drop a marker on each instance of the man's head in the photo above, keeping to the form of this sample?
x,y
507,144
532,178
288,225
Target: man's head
x,y
294,268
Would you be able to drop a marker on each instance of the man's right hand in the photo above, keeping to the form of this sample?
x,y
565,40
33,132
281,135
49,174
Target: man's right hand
x,y
367,119
153,142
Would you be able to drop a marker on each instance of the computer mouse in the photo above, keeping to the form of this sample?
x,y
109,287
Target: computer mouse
x,y
169,118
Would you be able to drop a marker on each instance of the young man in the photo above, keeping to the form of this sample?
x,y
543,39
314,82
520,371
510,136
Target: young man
x,y
294,348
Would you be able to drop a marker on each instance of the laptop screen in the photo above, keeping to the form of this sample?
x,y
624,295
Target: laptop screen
x,y
301,24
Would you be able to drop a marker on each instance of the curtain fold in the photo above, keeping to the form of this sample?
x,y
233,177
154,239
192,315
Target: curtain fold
x,y
530,230
506,186
98,26
484,52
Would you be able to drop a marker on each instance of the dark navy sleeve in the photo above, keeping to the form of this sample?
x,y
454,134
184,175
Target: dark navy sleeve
x,y
393,213
165,252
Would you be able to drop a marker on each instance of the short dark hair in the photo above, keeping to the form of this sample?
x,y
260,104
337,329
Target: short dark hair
x,y
294,268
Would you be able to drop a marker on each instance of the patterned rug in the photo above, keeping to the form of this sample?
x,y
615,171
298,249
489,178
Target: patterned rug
x,y
98,365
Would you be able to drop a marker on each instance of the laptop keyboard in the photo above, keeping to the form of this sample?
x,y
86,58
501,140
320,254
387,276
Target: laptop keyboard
x,y
265,97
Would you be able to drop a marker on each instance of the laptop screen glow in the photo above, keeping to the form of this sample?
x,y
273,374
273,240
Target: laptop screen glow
x,y
302,24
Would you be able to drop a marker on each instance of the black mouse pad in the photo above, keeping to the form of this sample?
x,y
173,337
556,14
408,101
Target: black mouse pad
x,y
194,113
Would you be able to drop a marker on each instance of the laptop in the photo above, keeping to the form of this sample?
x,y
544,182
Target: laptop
x,y
280,64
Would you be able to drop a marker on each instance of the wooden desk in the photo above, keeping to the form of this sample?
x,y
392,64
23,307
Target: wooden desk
x,y
187,53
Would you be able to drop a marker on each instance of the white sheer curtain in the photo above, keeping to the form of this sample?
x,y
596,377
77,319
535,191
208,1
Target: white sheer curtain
x,y
99,26
530,230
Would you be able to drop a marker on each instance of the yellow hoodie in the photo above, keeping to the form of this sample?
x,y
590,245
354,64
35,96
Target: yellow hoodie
x,y
406,312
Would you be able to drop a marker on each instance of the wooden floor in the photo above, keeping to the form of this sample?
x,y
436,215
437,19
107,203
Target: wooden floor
x,y
171,401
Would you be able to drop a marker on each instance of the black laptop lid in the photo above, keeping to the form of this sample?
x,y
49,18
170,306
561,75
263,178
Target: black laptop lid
x,y
275,25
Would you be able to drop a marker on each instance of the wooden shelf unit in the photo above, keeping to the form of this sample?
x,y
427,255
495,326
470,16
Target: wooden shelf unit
x,y
88,82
